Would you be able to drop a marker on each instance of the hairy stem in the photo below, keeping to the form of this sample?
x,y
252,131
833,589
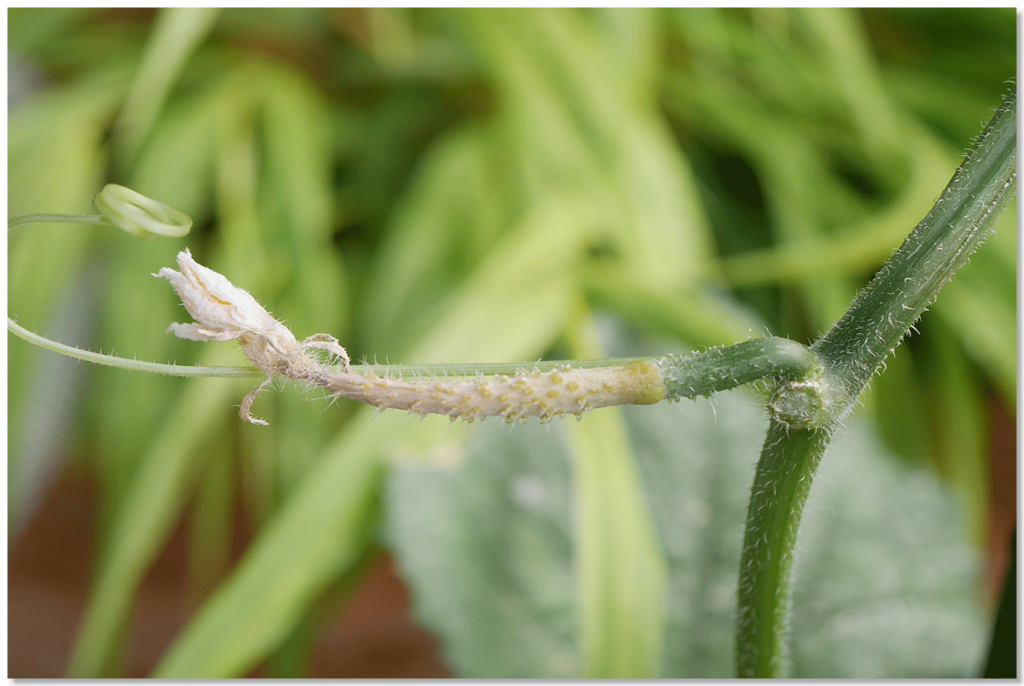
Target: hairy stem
x,y
851,352
123,363
577,387
720,369
788,461
941,244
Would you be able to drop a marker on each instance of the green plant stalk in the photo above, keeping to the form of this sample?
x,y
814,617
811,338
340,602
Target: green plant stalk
x,y
785,471
938,247
131,365
719,369
851,352
44,218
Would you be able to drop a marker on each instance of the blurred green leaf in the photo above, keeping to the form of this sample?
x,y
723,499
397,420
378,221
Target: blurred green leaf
x,y
578,121
212,524
620,570
419,260
176,34
960,419
150,507
29,28
323,530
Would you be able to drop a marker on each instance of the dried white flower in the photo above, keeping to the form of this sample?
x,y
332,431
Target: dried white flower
x,y
225,312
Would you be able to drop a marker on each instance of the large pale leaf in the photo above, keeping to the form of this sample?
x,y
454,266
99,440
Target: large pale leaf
x,y
884,584
488,551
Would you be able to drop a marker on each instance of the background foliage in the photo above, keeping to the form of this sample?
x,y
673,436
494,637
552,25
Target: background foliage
x,y
462,186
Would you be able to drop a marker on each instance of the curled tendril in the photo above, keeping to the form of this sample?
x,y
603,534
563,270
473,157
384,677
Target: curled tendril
x,y
139,215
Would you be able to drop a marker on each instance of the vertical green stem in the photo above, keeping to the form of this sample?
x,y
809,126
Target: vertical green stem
x,y
784,475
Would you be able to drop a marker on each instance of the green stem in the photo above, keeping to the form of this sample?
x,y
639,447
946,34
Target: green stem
x,y
941,244
851,352
131,365
43,218
788,461
720,369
